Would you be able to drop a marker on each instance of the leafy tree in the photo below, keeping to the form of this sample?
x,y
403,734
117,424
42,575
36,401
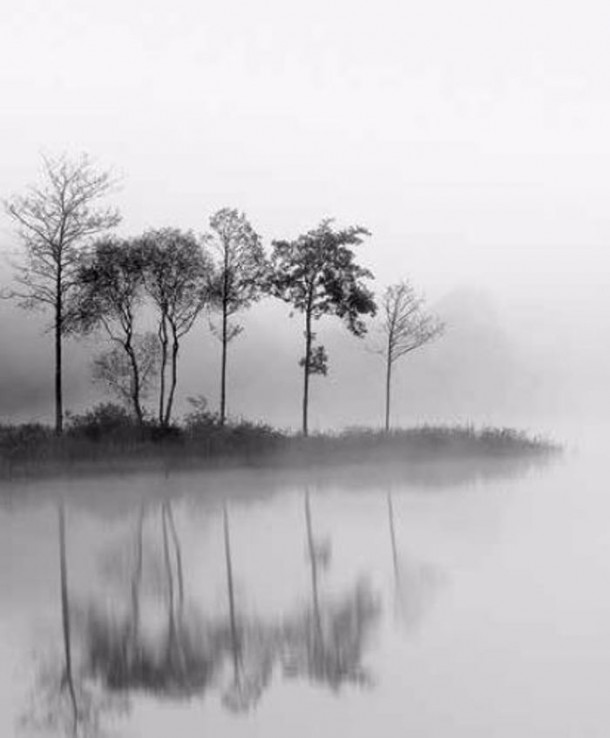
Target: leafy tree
x,y
177,277
111,287
240,271
318,275
55,221
405,327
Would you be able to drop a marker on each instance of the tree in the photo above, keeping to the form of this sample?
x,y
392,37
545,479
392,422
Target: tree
x,y
111,284
405,327
177,277
317,274
115,369
56,220
240,271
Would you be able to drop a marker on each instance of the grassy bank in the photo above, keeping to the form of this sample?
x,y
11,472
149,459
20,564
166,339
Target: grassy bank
x,y
106,440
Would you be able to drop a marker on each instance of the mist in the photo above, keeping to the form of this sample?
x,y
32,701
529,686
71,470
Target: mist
x,y
468,144
307,563
530,364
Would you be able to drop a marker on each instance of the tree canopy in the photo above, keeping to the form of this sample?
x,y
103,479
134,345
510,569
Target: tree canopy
x,y
318,275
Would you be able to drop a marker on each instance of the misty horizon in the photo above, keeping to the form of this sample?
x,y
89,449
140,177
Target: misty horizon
x,y
473,167
309,435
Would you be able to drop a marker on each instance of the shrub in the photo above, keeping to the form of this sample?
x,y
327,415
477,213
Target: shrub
x,y
104,421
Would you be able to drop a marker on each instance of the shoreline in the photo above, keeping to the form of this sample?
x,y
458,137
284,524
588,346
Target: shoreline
x,y
246,448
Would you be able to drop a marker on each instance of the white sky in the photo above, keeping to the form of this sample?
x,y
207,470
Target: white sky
x,y
472,138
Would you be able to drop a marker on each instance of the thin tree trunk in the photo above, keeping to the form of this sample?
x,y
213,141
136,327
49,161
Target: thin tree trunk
x,y
225,341
388,389
135,373
231,595
306,373
65,612
174,381
163,341
59,412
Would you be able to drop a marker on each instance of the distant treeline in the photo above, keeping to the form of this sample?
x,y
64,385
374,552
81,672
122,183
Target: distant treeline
x,y
91,281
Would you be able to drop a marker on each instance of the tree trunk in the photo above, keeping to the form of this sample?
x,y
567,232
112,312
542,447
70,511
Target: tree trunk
x,y
231,595
174,381
135,385
223,367
306,373
388,389
59,411
65,612
163,341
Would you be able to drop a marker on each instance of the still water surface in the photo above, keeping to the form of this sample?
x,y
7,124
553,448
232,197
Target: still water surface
x,y
484,610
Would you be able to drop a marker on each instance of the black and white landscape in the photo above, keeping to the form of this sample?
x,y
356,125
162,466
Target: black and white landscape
x,y
303,369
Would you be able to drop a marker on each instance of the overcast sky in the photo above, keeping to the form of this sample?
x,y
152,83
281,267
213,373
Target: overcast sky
x,y
471,138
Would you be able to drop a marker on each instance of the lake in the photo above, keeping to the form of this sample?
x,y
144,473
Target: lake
x,y
465,604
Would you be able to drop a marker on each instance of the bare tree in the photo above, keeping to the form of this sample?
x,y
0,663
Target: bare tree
x,y
55,221
177,277
240,270
405,327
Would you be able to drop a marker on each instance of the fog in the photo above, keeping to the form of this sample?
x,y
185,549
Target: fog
x,y
455,586
382,606
532,364
470,141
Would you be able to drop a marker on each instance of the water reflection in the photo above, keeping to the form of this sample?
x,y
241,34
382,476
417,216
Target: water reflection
x,y
156,643
415,583
325,643
64,698
143,628
139,631
117,493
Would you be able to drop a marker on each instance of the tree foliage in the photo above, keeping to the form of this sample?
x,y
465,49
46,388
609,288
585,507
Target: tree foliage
x,y
318,275
239,280
110,291
178,275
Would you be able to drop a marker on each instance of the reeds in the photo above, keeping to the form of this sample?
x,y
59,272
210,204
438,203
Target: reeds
x,y
98,441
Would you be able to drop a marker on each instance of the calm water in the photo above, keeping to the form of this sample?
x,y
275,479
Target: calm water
x,y
489,616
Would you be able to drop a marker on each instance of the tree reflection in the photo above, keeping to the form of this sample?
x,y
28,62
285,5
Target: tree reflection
x,y
65,698
168,652
251,646
415,584
156,641
325,643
